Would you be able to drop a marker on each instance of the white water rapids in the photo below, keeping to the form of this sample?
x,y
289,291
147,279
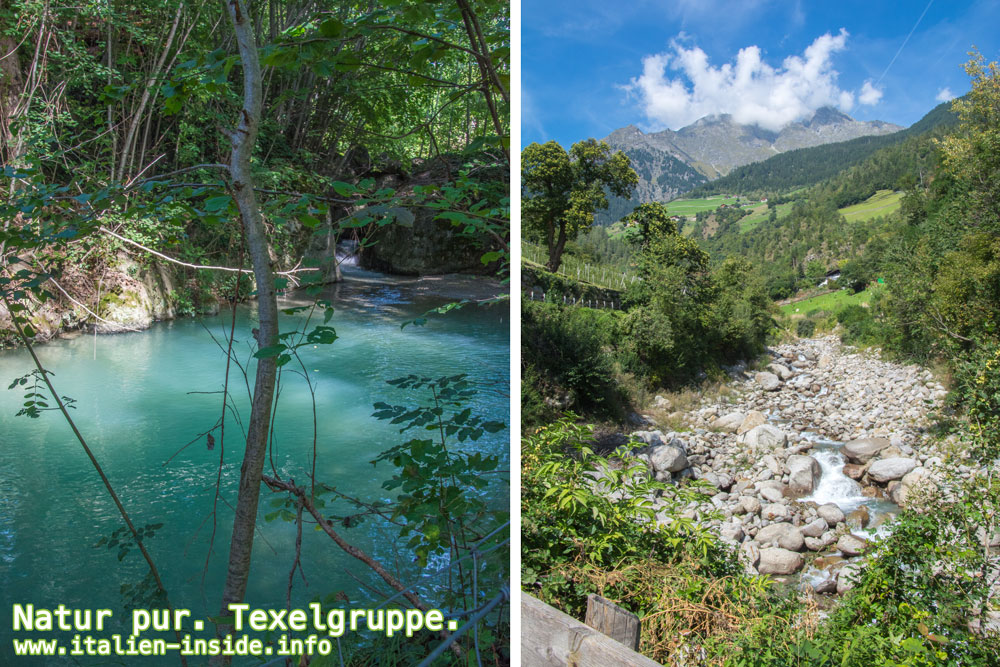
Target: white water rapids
x,y
834,486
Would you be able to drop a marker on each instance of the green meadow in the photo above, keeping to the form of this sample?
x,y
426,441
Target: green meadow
x,y
831,302
882,203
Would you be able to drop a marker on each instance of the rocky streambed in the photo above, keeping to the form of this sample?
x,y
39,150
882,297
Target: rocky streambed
x,y
809,459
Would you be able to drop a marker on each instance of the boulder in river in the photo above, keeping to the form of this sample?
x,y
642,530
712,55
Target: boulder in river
x,y
863,450
854,470
859,518
831,513
775,560
852,545
803,474
764,436
815,528
768,381
886,470
784,535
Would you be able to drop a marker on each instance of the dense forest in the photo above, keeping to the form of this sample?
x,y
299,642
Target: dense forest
x,y
163,159
925,594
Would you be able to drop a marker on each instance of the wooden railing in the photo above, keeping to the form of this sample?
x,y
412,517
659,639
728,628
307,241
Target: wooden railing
x,y
550,638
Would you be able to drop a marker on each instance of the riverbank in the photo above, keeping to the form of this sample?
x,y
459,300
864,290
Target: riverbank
x,y
806,460
132,297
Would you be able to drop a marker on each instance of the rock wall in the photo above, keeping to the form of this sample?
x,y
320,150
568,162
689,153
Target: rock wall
x,y
424,245
126,296
425,248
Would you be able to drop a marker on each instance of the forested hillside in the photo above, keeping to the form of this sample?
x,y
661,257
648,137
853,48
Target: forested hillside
x,y
808,166
815,231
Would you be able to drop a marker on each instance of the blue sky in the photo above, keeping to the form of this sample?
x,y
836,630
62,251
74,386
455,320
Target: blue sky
x,y
591,66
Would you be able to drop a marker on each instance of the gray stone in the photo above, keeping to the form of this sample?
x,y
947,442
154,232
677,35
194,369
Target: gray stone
x,y
729,423
863,449
768,381
764,436
750,505
815,544
776,560
803,474
668,458
815,528
775,512
772,491
826,587
780,370
852,545
784,535
752,420
886,470
771,463
831,514
732,533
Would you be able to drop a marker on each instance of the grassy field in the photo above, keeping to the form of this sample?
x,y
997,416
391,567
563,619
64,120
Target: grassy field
x,y
761,214
881,203
692,206
831,303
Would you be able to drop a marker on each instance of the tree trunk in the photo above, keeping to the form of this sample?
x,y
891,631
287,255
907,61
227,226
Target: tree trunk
x,y
243,140
11,88
556,251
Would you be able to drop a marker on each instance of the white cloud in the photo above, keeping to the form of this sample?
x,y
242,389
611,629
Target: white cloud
x,y
869,94
749,89
945,95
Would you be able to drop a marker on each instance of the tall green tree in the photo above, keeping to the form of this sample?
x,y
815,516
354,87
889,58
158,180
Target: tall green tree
x,y
647,223
560,191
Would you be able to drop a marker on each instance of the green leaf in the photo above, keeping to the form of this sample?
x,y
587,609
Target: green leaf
x,y
216,204
331,28
270,351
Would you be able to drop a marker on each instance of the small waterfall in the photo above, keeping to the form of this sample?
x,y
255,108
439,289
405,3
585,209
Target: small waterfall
x,y
347,253
834,486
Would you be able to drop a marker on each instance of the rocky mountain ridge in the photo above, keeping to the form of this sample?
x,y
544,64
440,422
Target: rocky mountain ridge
x,y
670,162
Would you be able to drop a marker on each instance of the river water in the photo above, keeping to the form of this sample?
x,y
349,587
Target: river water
x,y
140,397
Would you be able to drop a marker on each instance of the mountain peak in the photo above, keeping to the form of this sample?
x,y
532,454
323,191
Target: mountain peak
x,y
714,145
828,116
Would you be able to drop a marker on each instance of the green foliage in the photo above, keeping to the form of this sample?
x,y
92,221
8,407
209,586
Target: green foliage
x,y
977,379
568,513
859,325
569,350
805,328
438,499
36,400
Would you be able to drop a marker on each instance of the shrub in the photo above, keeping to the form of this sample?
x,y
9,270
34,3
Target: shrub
x,y
805,328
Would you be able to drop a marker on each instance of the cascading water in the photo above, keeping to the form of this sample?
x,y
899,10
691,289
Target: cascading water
x,y
837,488
834,486
347,253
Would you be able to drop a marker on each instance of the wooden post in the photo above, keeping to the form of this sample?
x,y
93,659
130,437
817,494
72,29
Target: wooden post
x,y
610,619
550,638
